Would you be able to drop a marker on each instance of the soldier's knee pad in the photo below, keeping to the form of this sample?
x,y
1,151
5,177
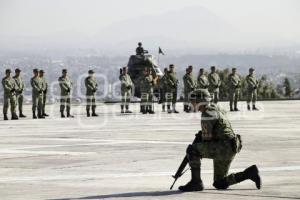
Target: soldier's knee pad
x,y
221,184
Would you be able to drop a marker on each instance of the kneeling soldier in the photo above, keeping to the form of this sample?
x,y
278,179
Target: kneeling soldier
x,y
91,88
218,142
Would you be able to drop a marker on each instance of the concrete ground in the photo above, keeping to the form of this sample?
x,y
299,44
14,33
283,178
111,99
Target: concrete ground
x,y
133,156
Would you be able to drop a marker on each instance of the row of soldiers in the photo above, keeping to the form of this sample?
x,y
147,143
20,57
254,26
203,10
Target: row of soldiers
x,y
14,94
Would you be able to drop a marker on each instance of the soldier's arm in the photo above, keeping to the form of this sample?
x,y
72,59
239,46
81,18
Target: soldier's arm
x,y
35,85
89,85
63,85
7,86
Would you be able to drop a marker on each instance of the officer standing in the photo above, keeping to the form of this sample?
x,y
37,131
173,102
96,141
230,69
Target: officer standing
x,y
91,89
217,141
190,84
126,89
45,91
234,89
162,89
202,80
66,85
20,86
252,84
9,87
147,83
214,84
37,95
171,89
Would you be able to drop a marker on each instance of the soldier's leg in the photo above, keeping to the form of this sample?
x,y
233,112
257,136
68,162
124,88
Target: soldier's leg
x,y
62,106
254,100
68,105
168,101
20,105
13,102
150,103
216,96
40,107
94,114
44,105
185,102
127,101
231,97
222,181
88,105
249,98
5,107
144,98
34,106
174,100
236,97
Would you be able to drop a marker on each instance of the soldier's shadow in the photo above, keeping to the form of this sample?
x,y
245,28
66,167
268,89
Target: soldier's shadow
x,y
169,193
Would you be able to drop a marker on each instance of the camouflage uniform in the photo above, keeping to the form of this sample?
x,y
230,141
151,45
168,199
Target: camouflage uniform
x,y
218,142
20,86
214,85
162,90
37,96
9,87
190,84
45,90
91,88
234,90
171,83
202,82
66,85
146,87
126,88
252,85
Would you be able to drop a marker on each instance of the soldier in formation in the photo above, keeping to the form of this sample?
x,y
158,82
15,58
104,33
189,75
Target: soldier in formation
x,y
190,84
202,80
66,86
20,86
44,93
162,89
147,82
252,85
217,141
126,90
171,84
37,95
214,84
91,89
234,89
9,87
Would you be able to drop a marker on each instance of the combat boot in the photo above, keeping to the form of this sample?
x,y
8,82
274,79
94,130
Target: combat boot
x,y
69,115
14,116
195,183
45,114
174,109
5,117
254,107
143,109
21,115
127,109
169,109
34,115
94,112
248,107
251,173
62,115
185,108
150,111
163,108
231,107
122,109
40,116
88,113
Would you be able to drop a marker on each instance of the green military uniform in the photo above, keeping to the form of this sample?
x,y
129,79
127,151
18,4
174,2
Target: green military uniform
x,y
37,96
162,90
214,85
171,84
146,87
20,86
9,86
202,82
91,88
252,84
45,91
126,88
66,85
190,84
218,142
234,82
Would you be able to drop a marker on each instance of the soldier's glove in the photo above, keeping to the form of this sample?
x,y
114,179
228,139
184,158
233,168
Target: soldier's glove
x,y
12,90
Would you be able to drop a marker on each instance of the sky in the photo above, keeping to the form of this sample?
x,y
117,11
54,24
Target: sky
x,y
44,17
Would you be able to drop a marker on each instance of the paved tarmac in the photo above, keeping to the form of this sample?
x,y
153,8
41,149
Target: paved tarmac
x,y
133,156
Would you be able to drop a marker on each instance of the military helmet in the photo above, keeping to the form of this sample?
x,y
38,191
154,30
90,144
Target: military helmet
x,y
212,67
35,70
251,69
64,71
41,71
7,71
91,71
201,96
140,44
17,70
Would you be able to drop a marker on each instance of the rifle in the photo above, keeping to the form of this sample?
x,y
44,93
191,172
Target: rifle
x,y
181,170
